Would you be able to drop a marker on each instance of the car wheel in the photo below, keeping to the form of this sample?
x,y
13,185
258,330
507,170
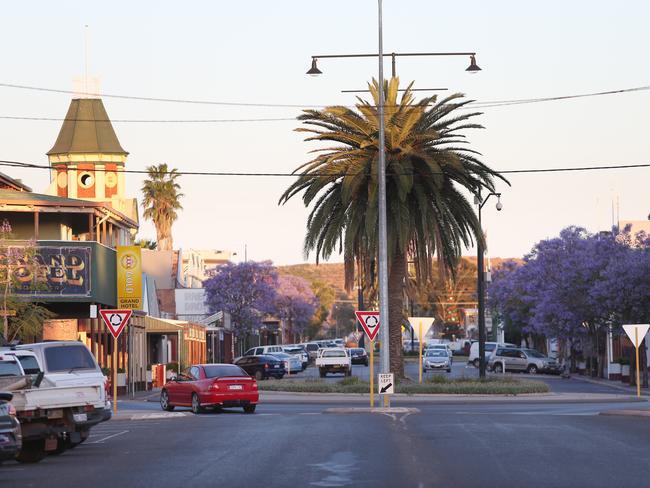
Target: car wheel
x,y
164,401
477,363
249,408
259,376
532,369
498,368
32,451
196,404
448,370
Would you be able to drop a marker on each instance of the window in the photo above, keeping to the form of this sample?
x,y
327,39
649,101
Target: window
x,y
29,364
86,180
10,368
194,373
334,354
68,358
250,352
259,350
214,371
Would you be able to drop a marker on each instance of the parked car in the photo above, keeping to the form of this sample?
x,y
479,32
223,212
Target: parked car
x,y
358,355
489,347
69,383
442,347
334,360
10,433
411,346
261,350
312,349
518,359
436,358
262,367
292,364
299,352
210,385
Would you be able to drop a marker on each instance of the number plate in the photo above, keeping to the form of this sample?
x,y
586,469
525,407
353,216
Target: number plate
x,y
236,387
55,414
276,366
80,417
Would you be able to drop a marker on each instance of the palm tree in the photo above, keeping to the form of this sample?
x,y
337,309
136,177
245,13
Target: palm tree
x,y
429,172
161,202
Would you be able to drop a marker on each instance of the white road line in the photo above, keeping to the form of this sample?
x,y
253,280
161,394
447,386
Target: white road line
x,y
309,413
109,437
266,414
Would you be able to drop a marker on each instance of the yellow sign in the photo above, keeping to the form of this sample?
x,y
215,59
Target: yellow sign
x,y
129,277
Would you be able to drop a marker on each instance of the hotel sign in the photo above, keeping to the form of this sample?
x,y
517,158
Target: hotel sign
x,y
57,271
129,277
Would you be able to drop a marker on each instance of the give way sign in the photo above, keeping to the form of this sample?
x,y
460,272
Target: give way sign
x,y
370,322
115,320
636,332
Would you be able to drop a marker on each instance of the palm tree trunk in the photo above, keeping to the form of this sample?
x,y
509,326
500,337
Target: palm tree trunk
x,y
396,312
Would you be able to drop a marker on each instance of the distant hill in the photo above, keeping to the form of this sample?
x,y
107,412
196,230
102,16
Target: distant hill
x,y
331,273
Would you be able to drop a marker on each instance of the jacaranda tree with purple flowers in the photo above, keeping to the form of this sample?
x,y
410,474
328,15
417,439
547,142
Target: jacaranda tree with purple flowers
x,y
246,291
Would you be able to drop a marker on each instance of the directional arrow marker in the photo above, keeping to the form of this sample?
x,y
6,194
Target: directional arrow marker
x,y
386,388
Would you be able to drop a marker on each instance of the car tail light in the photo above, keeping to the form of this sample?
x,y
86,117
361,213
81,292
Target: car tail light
x,y
214,386
266,365
27,413
89,408
254,385
12,410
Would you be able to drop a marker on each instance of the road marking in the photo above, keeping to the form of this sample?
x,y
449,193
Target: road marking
x,y
108,437
309,413
266,414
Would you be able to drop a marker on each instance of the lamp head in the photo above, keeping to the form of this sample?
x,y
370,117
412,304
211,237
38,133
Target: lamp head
x,y
314,71
499,204
473,67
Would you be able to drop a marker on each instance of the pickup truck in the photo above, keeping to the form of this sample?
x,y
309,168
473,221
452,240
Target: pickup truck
x,y
58,396
334,360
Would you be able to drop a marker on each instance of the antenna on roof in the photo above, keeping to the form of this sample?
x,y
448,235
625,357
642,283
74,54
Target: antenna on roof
x,y
86,59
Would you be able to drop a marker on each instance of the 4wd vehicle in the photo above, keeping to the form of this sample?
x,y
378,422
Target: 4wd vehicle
x,y
10,434
58,395
262,367
333,360
517,359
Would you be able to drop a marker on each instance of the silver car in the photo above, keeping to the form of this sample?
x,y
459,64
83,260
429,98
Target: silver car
x,y
517,359
436,359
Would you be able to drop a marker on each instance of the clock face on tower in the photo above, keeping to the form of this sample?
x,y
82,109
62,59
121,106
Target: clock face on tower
x,y
62,179
111,179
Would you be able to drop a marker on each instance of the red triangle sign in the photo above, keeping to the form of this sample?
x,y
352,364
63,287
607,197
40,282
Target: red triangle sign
x,y
115,320
370,323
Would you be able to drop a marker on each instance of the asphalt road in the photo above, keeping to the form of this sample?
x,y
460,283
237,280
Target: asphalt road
x,y
549,445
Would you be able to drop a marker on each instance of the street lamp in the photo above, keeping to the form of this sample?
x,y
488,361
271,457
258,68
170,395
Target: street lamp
x,y
381,170
480,286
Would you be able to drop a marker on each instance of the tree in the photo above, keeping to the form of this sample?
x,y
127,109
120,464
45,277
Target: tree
x,y
146,244
21,317
246,291
325,295
428,169
161,202
295,303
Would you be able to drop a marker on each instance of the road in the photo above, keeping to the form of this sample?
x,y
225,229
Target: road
x,y
468,445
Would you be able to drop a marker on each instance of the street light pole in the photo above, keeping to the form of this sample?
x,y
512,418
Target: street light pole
x,y
384,366
480,285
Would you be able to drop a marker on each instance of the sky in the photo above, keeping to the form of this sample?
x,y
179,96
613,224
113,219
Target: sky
x,y
258,52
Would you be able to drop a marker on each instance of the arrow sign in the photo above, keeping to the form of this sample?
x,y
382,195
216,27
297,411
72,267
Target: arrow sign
x,y
386,382
115,320
370,323
636,332
425,322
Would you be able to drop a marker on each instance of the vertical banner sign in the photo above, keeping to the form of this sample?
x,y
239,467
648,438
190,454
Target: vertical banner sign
x,y
129,277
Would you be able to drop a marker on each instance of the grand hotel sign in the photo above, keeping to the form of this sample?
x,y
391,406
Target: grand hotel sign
x,y
55,271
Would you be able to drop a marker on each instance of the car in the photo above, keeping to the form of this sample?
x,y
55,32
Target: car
x,y
292,364
210,385
435,358
334,360
262,367
10,433
358,355
519,359
299,353
441,347
312,349
411,345
489,347
260,350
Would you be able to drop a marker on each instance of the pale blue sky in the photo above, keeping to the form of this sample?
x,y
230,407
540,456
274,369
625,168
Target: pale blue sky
x,y
258,51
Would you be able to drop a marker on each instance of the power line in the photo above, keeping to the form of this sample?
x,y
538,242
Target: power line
x,y
146,121
20,164
486,104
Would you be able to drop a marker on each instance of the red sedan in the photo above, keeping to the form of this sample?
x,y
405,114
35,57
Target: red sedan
x,y
210,385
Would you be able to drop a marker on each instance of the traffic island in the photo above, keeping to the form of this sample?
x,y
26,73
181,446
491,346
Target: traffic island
x,y
436,385
627,413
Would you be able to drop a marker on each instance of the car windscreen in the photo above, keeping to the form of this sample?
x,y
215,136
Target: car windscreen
x,y
29,364
312,347
219,371
490,347
534,354
334,354
68,358
10,368
436,353
358,351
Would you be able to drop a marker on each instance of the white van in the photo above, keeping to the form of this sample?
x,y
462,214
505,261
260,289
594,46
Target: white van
x,y
261,350
489,347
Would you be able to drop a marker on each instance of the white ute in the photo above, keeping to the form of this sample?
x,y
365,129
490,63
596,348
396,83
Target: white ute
x,y
58,398
334,360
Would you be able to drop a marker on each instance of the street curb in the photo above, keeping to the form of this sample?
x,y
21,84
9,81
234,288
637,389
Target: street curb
x,y
381,410
609,385
627,413
148,416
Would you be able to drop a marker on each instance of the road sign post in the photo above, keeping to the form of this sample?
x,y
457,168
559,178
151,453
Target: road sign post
x,y
369,321
115,321
423,326
634,332
420,347
386,383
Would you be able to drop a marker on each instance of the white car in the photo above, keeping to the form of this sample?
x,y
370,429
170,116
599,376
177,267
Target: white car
x,y
489,348
334,360
441,347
